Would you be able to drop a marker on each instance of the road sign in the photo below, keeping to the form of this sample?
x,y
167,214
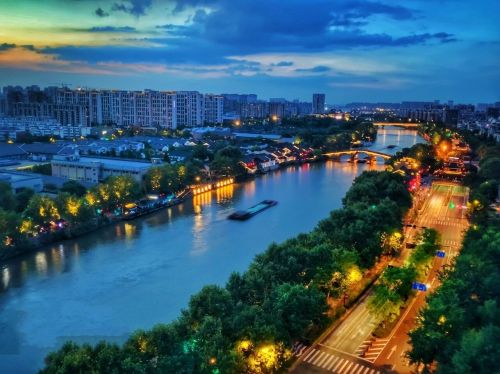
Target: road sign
x,y
419,286
440,254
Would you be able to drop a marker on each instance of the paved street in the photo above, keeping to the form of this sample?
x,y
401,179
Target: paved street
x,y
443,211
352,341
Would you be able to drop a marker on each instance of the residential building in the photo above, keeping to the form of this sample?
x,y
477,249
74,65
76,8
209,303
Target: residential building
x,y
318,103
189,108
214,108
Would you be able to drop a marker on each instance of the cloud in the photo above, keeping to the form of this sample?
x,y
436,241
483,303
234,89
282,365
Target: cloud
x,y
134,7
29,59
283,63
112,29
99,12
6,46
316,69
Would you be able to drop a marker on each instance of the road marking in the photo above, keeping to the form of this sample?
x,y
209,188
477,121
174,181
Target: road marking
x,y
346,369
317,360
337,366
326,361
393,349
335,359
309,354
359,369
342,367
313,357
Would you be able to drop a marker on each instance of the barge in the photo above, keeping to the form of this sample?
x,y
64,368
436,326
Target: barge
x,y
243,215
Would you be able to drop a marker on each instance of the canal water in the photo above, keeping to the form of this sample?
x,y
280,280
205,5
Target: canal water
x,y
135,274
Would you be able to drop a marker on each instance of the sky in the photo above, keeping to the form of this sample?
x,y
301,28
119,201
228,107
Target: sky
x,y
351,50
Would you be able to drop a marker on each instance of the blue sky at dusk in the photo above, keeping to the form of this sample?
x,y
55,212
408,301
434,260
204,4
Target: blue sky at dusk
x,y
351,50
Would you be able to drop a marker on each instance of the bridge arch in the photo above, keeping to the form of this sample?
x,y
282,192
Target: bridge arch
x,y
355,153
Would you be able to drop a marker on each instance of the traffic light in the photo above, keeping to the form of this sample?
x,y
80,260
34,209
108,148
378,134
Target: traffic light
x,y
452,205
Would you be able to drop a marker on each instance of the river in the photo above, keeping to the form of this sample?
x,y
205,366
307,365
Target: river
x,y
135,274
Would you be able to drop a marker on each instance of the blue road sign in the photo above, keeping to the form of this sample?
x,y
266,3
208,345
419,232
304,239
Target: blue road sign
x,y
419,286
440,254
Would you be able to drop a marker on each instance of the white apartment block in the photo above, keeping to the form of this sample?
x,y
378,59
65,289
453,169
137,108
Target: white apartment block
x,y
214,108
190,111
126,108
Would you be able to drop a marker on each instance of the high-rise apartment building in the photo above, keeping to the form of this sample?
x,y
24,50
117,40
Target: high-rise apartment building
x,y
214,108
318,103
190,111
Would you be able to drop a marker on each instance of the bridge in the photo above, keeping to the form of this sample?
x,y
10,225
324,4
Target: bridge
x,y
398,124
354,153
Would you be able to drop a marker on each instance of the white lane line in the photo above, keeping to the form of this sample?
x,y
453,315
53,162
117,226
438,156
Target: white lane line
x,y
357,369
327,361
342,367
348,368
319,360
337,366
309,354
313,357
332,363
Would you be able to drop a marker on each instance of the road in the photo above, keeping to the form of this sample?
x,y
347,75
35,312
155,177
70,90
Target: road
x,y
350,348
444,211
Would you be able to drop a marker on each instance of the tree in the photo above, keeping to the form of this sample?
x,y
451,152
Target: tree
x,y
73,188
9,222
7,197
41,210
23,197
226,162
490,168
294,309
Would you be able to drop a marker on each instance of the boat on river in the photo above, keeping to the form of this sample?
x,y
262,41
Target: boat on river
x,y
243,215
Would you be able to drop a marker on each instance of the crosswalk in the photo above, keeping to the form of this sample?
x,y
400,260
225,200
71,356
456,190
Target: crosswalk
x,y
451,243
446,222
336,364
298,349
370,349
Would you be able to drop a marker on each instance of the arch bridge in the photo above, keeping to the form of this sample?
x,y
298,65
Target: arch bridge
x,y
354,153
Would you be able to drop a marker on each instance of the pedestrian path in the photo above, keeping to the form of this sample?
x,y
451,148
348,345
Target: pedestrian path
x,y
336,364
370,349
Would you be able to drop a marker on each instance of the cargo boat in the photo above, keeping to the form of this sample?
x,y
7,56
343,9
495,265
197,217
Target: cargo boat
x,y
242,215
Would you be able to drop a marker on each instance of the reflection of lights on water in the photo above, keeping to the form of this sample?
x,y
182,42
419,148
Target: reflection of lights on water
x,y
129,230
199,244
249,188
41,262
204,198
5,277
224,193
118,231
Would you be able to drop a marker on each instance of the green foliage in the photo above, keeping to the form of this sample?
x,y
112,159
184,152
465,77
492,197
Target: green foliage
x,y
226,162
23,197
462,315
41,210
73,188
7,197
45,169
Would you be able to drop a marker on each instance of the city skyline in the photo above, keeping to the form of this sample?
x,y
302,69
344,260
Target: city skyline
x,y
352,51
